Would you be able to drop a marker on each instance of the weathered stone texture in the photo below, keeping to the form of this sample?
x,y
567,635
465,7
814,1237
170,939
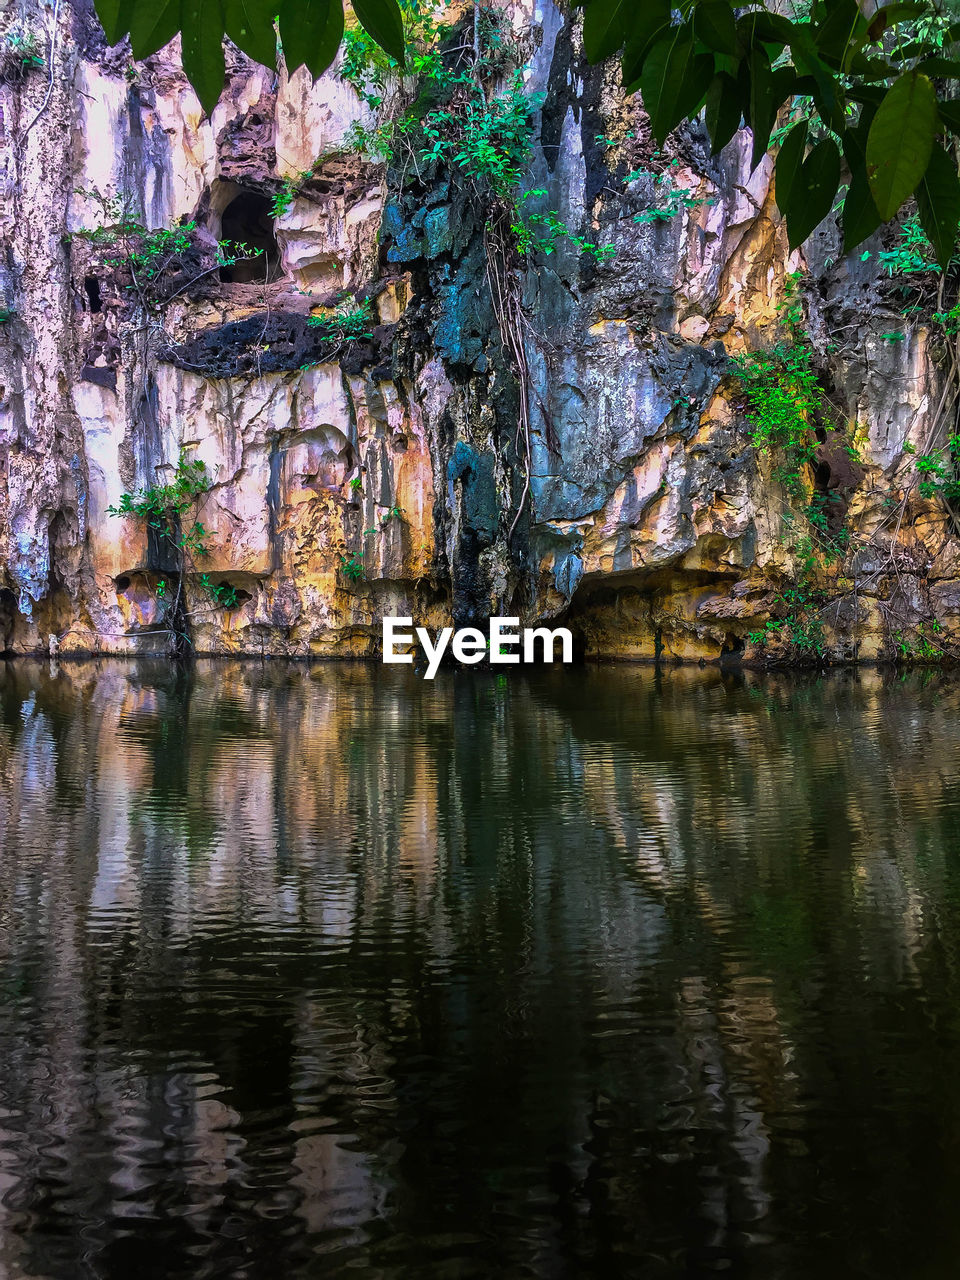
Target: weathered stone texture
x,y
648,520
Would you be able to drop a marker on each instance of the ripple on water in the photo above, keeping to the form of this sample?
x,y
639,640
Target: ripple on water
x,y
593,973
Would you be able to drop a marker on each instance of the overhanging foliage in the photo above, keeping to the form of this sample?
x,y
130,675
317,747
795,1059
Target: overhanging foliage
x,y
871,90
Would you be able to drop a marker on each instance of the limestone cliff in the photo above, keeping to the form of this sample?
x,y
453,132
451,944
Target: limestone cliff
x,y
603,473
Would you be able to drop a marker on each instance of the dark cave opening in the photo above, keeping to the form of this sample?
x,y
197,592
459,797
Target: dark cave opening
x,y
732,649
91,287
247,220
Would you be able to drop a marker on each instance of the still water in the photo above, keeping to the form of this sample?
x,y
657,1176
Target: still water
x,y
600,973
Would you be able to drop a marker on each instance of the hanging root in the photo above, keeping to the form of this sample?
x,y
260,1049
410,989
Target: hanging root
x,y
505,292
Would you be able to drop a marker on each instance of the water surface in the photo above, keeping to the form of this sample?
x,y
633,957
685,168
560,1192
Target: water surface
x,y
331,972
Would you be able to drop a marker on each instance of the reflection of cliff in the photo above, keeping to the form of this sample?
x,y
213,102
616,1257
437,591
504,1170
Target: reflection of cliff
x,y
484,970
648,519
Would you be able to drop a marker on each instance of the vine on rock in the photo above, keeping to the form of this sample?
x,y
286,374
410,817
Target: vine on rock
x,y
790,415
164,509
442,111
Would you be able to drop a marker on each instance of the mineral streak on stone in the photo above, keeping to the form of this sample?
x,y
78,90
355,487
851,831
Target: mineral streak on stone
x,y
648,524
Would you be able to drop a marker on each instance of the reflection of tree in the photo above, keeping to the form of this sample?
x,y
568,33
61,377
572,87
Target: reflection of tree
x,y
555,971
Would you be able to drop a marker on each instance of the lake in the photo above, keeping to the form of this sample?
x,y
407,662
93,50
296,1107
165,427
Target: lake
x,y
602,972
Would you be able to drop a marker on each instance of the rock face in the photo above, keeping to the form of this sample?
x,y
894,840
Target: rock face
x,y
601,473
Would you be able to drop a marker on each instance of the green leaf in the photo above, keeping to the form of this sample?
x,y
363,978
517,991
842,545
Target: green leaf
x,y
249,24
760,27
202,39
860,215
890,14
724,112
900,140
938,199
946,67
153,25
674,80
789,162
950,114
768,90
605,27
310,34
646,24
813,191
825,88
842,31
382,20
114,17
761,102
714,23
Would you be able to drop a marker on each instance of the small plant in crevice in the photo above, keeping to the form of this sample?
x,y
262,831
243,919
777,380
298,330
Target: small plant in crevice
x,y
668,201
924,646
154,259
939,471
394,513
544,232
166,509
283,199
801,624
352,566
912,254
21,51
221,593
291,187
350,321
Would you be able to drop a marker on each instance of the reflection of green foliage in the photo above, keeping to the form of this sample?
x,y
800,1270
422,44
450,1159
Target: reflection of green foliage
x,y
778,933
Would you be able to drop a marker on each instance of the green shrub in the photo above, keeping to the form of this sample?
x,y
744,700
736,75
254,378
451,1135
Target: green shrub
x,y
126,244
352,566
163,508
456,121
348,323
668,200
